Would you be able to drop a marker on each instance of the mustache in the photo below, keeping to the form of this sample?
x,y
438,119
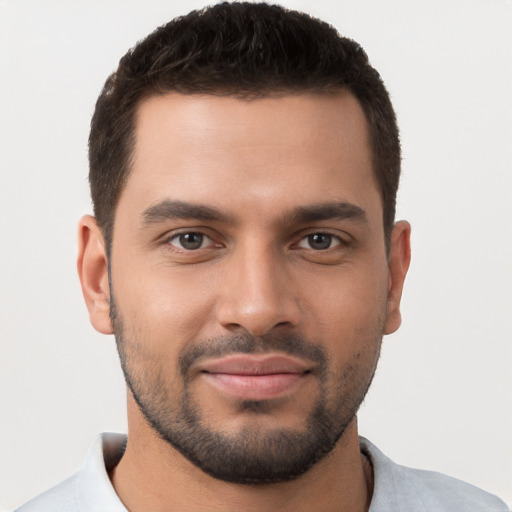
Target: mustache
x,y
246,343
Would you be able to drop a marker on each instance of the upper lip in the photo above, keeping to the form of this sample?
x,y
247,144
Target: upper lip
x,y
250,364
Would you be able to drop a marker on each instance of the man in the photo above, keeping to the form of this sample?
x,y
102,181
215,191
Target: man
x,y
244,163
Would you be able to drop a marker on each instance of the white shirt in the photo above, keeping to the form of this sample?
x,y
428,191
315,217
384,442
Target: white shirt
x,y
396,488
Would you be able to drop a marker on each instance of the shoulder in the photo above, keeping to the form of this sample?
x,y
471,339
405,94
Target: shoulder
x,y
60,498
398,488
89,489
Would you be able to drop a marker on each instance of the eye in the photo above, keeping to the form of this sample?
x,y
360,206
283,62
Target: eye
x,y
189,241
319,241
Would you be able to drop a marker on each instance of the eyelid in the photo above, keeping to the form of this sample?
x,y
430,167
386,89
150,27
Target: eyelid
x,y
343,237
177,237
334,242
173,234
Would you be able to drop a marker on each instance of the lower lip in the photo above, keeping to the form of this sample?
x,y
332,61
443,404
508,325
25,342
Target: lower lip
x,y
255,387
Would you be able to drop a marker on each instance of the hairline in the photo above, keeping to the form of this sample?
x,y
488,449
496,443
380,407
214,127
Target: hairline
x,y
242,95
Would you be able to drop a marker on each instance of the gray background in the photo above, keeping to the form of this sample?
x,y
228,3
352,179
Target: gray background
x,y
442,396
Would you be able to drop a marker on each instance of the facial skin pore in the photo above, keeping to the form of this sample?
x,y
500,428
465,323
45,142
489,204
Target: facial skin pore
x,y
252,287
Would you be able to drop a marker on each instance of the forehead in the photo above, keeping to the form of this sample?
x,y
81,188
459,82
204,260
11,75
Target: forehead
x,y
270,153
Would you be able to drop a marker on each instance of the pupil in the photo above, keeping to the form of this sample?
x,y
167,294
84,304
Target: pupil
x,y
191,240
320,241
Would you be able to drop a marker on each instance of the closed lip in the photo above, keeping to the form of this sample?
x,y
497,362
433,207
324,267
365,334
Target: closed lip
x,y
267,364
255,377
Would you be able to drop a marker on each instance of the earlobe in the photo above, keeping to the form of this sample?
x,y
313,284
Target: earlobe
x,y
399,260
92,266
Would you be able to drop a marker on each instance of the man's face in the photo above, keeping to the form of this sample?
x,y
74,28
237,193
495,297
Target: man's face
x,y
249,277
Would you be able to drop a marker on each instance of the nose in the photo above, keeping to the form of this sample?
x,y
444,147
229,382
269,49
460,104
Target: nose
x,y
258,293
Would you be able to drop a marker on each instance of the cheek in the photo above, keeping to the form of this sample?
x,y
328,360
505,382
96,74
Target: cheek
x,y
351,297
165,307
349,314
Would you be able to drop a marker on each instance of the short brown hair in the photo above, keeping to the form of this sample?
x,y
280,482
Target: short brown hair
x,y
244,50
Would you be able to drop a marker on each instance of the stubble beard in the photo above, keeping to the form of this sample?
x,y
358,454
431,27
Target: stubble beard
x,y
252,455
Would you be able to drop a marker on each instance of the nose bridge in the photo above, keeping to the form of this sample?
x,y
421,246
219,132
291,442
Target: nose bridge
x,y
257,293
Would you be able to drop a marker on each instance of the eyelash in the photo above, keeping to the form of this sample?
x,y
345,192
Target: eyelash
x,y
204,236
332,238
339,241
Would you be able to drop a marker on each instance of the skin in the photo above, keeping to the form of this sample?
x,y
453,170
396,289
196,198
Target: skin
x,y
257,163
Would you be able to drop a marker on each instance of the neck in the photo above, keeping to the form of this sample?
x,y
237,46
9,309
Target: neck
x,y
154,476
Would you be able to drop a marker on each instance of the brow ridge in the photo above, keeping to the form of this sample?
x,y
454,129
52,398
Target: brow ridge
x,y
168,209
326,211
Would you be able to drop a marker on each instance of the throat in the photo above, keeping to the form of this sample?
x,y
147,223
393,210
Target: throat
x,y
369,478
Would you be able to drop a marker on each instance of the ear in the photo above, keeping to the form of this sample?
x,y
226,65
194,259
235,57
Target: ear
x,y
398,263
92,266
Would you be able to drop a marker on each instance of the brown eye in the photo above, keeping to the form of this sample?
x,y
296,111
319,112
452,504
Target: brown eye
x,y
189,241
319,241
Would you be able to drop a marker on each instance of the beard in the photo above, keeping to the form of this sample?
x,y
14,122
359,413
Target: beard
x,y
252,455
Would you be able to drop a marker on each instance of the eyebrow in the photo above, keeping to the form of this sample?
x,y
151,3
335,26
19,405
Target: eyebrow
x,y
326,211
169,210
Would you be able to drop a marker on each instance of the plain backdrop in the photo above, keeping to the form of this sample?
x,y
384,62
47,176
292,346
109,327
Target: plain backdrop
x,y
442,397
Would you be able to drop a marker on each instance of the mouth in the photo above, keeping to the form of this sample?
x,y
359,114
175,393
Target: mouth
x,y
255,377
